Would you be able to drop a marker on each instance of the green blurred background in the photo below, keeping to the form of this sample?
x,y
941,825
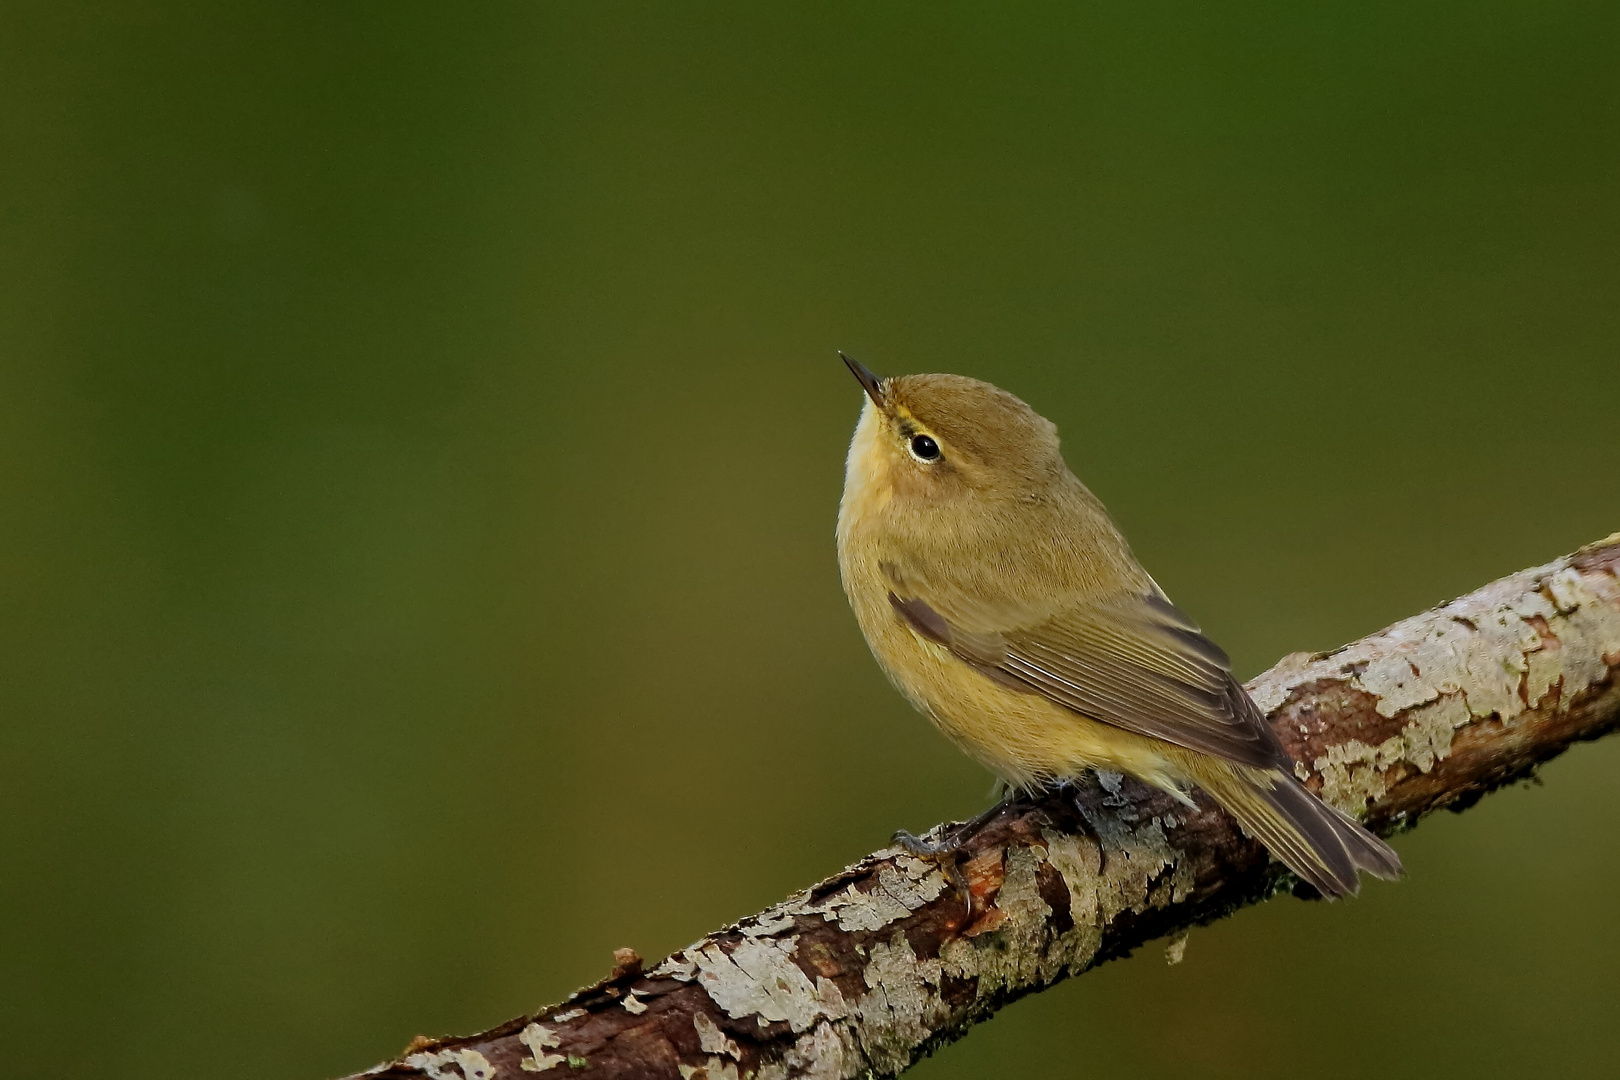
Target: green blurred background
x,y
420,438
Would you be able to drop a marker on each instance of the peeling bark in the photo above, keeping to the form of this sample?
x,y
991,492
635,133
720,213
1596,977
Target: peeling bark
x,y
867,971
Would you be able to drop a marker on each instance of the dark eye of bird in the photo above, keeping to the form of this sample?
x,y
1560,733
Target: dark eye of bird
x,y
924,448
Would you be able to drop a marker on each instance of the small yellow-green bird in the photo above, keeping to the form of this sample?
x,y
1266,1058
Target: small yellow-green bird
x,y
1003,602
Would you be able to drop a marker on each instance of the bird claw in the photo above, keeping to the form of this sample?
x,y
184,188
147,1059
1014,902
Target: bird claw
x,y
946,853
926,849
947,850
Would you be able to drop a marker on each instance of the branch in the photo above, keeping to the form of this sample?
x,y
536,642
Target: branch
x,y
876,966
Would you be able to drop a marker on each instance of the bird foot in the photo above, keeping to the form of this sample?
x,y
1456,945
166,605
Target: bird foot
x,y
946,853
928,849
946,850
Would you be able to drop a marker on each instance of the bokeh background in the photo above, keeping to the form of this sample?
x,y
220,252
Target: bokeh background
x,y
420,438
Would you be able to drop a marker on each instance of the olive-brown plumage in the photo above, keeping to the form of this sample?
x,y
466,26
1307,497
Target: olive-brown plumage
x,y
999,597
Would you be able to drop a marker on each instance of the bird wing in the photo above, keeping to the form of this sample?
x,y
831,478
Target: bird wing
x,y
1132,660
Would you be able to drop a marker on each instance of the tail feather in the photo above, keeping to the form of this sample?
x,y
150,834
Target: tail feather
x,y
1314,840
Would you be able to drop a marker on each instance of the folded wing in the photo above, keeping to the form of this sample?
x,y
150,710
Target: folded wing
x,y
1136,662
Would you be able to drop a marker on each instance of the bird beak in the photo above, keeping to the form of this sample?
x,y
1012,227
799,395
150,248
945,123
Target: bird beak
x,y
869,382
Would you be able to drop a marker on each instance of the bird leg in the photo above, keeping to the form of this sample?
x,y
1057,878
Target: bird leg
x,y
955,837
1076,789
947,850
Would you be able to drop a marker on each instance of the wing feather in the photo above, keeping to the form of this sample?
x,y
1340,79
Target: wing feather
x,y
1136,662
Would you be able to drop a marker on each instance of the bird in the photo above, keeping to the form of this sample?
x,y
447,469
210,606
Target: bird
x,y
1002,601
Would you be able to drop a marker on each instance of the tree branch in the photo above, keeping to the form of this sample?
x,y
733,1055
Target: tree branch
x,y
870,969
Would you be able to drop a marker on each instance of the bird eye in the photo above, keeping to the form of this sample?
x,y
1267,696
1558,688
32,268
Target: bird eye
x,y
924,448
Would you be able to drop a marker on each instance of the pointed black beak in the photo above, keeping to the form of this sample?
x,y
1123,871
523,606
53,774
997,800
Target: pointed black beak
x,y
863,375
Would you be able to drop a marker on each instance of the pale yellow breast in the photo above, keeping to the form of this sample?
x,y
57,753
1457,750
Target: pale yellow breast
x,y
1023,738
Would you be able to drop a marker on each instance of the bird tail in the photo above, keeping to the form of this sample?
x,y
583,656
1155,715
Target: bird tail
x,y
1315,841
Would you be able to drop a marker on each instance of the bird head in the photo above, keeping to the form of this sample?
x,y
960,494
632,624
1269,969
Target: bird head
x,y
935,438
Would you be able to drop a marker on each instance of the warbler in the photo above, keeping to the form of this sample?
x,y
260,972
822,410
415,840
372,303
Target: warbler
x,y
1000,598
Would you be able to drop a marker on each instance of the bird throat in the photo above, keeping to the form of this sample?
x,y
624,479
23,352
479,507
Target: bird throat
x,y
868,472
